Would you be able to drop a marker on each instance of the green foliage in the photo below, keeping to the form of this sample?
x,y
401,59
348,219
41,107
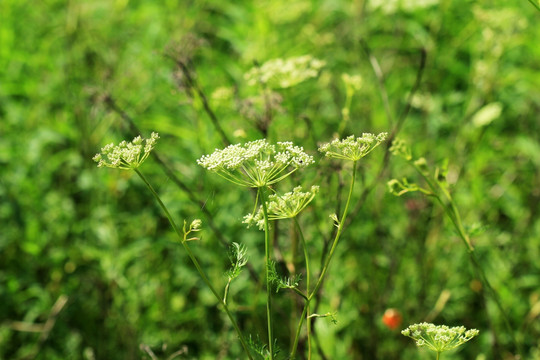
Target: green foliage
x,y
72,76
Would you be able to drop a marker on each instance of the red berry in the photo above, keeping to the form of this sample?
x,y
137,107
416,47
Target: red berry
x,y
392,319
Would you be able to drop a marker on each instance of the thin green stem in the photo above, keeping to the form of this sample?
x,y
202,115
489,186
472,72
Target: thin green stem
x,y
299,292
338,235
438,353
226,292
305,312
308,329
267,258
306,256
196,262
298,330
536,5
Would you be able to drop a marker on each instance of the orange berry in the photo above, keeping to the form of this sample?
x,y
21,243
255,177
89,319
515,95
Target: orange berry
x,y
392,319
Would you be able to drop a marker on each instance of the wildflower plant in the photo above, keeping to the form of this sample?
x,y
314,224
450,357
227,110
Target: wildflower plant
x,y
439,338
128,156
438,188
261,165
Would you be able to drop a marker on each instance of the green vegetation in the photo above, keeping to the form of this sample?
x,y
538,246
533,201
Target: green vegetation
x,y
90,267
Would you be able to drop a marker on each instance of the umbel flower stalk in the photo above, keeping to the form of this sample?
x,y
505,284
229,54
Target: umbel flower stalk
x,y
438,189
129,156
350,149
259,164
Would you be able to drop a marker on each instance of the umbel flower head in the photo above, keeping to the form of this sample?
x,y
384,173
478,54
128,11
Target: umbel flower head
x,y
280,73
285,206
439,338
126,155
352,148
256,163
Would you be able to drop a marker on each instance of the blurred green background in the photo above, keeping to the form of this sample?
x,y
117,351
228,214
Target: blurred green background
x,y
89,268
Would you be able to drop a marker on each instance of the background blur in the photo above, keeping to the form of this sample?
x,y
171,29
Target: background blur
x,y
89,268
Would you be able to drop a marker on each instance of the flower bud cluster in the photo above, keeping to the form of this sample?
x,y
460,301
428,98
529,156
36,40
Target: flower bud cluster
x,y
256,163
126,155
439,338
400,148
352,148
285,206
352,82
280,73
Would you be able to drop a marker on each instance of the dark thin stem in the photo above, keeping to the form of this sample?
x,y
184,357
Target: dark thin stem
x,y
196,262
419,75
168,171
380,80
209,217
537,6
193,84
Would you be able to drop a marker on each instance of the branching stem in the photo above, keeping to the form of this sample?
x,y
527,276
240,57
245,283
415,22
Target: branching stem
x,y
451,210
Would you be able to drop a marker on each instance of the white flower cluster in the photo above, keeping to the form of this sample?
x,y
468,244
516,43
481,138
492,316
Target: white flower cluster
x,y
256,163
126,155
285,206
352,148
280,73
439,338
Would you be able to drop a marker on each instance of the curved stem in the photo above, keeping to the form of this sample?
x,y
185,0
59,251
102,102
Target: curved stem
x,y
305,312
267,258
298,329
338,235
196,263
